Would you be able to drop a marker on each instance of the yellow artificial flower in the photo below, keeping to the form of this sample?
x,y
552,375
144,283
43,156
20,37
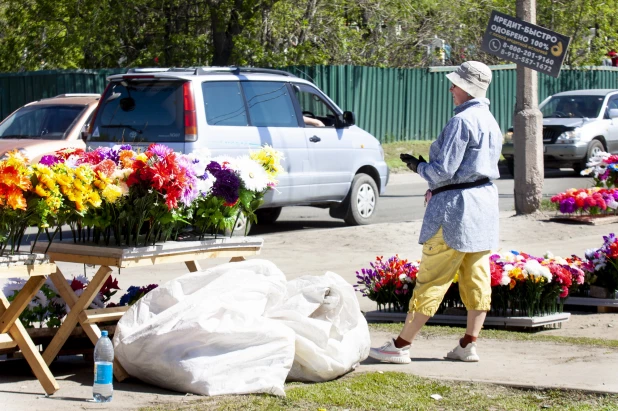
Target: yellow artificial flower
x,y
40,191
142,157
111,193
94,199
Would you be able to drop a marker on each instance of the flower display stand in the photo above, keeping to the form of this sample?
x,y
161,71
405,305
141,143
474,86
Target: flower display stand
x,y
603,305
12,332
445,319
188,252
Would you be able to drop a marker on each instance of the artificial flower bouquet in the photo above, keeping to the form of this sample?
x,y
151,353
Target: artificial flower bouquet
x,y
527,286
388,282
48,309
602,199
522,285
602,265
603,167
122,197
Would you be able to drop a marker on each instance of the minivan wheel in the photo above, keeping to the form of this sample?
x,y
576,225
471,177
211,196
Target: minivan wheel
x,y
363,200
268,215
242,225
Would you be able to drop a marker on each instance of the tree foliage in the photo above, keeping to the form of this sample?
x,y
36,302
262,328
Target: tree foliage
x,y
64,34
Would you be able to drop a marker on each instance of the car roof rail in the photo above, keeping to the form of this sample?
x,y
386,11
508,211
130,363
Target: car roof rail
x,y
237,70
77,95
210,70
148,70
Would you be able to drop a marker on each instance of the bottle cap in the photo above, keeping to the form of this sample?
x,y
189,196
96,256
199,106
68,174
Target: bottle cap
x,y
103,333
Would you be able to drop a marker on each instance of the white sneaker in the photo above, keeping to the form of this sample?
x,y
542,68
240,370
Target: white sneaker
x,y
389,353
467,354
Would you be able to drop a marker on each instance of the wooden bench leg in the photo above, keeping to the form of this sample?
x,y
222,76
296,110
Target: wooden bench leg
x,y
237,259
77,305
31,353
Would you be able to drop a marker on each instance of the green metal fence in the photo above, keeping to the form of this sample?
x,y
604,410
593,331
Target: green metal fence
x,y
392,104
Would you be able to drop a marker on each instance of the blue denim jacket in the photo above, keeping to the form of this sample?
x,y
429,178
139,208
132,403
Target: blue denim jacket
x,y
467,150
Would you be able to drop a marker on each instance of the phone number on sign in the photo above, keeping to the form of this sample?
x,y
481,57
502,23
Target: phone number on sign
x,y
526,60
527,53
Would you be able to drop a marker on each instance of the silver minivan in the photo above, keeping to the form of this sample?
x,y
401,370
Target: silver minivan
x,y
329,162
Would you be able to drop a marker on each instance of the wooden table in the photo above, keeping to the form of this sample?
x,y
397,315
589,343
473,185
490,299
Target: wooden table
x,y
188,252
12,331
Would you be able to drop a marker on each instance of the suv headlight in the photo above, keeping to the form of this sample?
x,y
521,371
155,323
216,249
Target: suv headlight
x,y
508,137
569,137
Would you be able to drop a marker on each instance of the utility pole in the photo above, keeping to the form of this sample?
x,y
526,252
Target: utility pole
x,y
527,131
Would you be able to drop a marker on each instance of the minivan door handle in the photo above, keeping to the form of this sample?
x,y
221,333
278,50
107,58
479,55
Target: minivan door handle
x,y
315,139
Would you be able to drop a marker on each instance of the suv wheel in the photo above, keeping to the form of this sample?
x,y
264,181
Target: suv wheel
x,y
363,199
595,147
268,215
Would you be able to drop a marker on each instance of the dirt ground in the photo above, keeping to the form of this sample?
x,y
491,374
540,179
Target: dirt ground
x,y
344,251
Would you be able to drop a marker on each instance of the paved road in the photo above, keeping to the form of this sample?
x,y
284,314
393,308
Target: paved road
x,y
403,201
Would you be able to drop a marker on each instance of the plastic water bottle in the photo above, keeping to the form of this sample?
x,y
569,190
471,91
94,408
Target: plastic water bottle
x,y
102,389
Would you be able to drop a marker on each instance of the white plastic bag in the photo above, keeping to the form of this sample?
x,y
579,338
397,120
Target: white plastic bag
x,y
332,336
204,332
240,328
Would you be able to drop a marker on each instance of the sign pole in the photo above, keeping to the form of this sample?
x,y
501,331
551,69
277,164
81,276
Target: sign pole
x,y
527,131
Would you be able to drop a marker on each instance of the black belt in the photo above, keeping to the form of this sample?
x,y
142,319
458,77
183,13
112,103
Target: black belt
x,y
476,183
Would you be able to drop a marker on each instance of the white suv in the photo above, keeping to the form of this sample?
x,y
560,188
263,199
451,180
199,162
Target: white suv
x,y
232,110
576,125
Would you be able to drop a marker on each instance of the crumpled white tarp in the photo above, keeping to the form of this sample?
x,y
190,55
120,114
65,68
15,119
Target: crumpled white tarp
x,y
241,328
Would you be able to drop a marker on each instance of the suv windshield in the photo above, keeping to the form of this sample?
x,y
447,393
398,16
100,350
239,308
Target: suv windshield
x,y
572,107
136,111
48,122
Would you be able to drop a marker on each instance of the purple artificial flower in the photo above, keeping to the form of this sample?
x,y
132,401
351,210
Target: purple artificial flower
x,y
226,185
213,167
159,150
104,153
568,206
49,160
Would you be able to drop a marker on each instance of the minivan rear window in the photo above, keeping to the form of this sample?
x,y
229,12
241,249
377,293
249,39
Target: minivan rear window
x,y
141,111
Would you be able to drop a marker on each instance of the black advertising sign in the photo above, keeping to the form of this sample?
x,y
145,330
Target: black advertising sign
x,y
524,43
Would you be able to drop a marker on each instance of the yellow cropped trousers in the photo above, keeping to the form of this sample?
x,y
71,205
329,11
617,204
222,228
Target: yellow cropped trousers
x,y
438,268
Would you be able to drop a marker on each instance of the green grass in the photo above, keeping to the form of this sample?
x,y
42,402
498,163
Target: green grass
x,y
416,148
399,391
435,331
393,150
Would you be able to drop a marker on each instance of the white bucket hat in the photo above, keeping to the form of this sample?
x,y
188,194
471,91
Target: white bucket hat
x,y
473,77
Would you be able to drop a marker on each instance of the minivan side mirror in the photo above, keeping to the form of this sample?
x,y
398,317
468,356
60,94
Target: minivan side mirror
x,y
613,112
349,118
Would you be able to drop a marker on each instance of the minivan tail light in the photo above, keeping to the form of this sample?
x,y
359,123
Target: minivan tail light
x,y
189,111
96,110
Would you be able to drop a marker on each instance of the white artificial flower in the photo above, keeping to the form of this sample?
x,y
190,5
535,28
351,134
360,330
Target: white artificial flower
x,y
548,255
587,171
252,174
534,268
71,161
402,277
202,154
204,186
508,267
505,280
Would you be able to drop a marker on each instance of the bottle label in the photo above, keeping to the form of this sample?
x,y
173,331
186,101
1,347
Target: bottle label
x,y
103,373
